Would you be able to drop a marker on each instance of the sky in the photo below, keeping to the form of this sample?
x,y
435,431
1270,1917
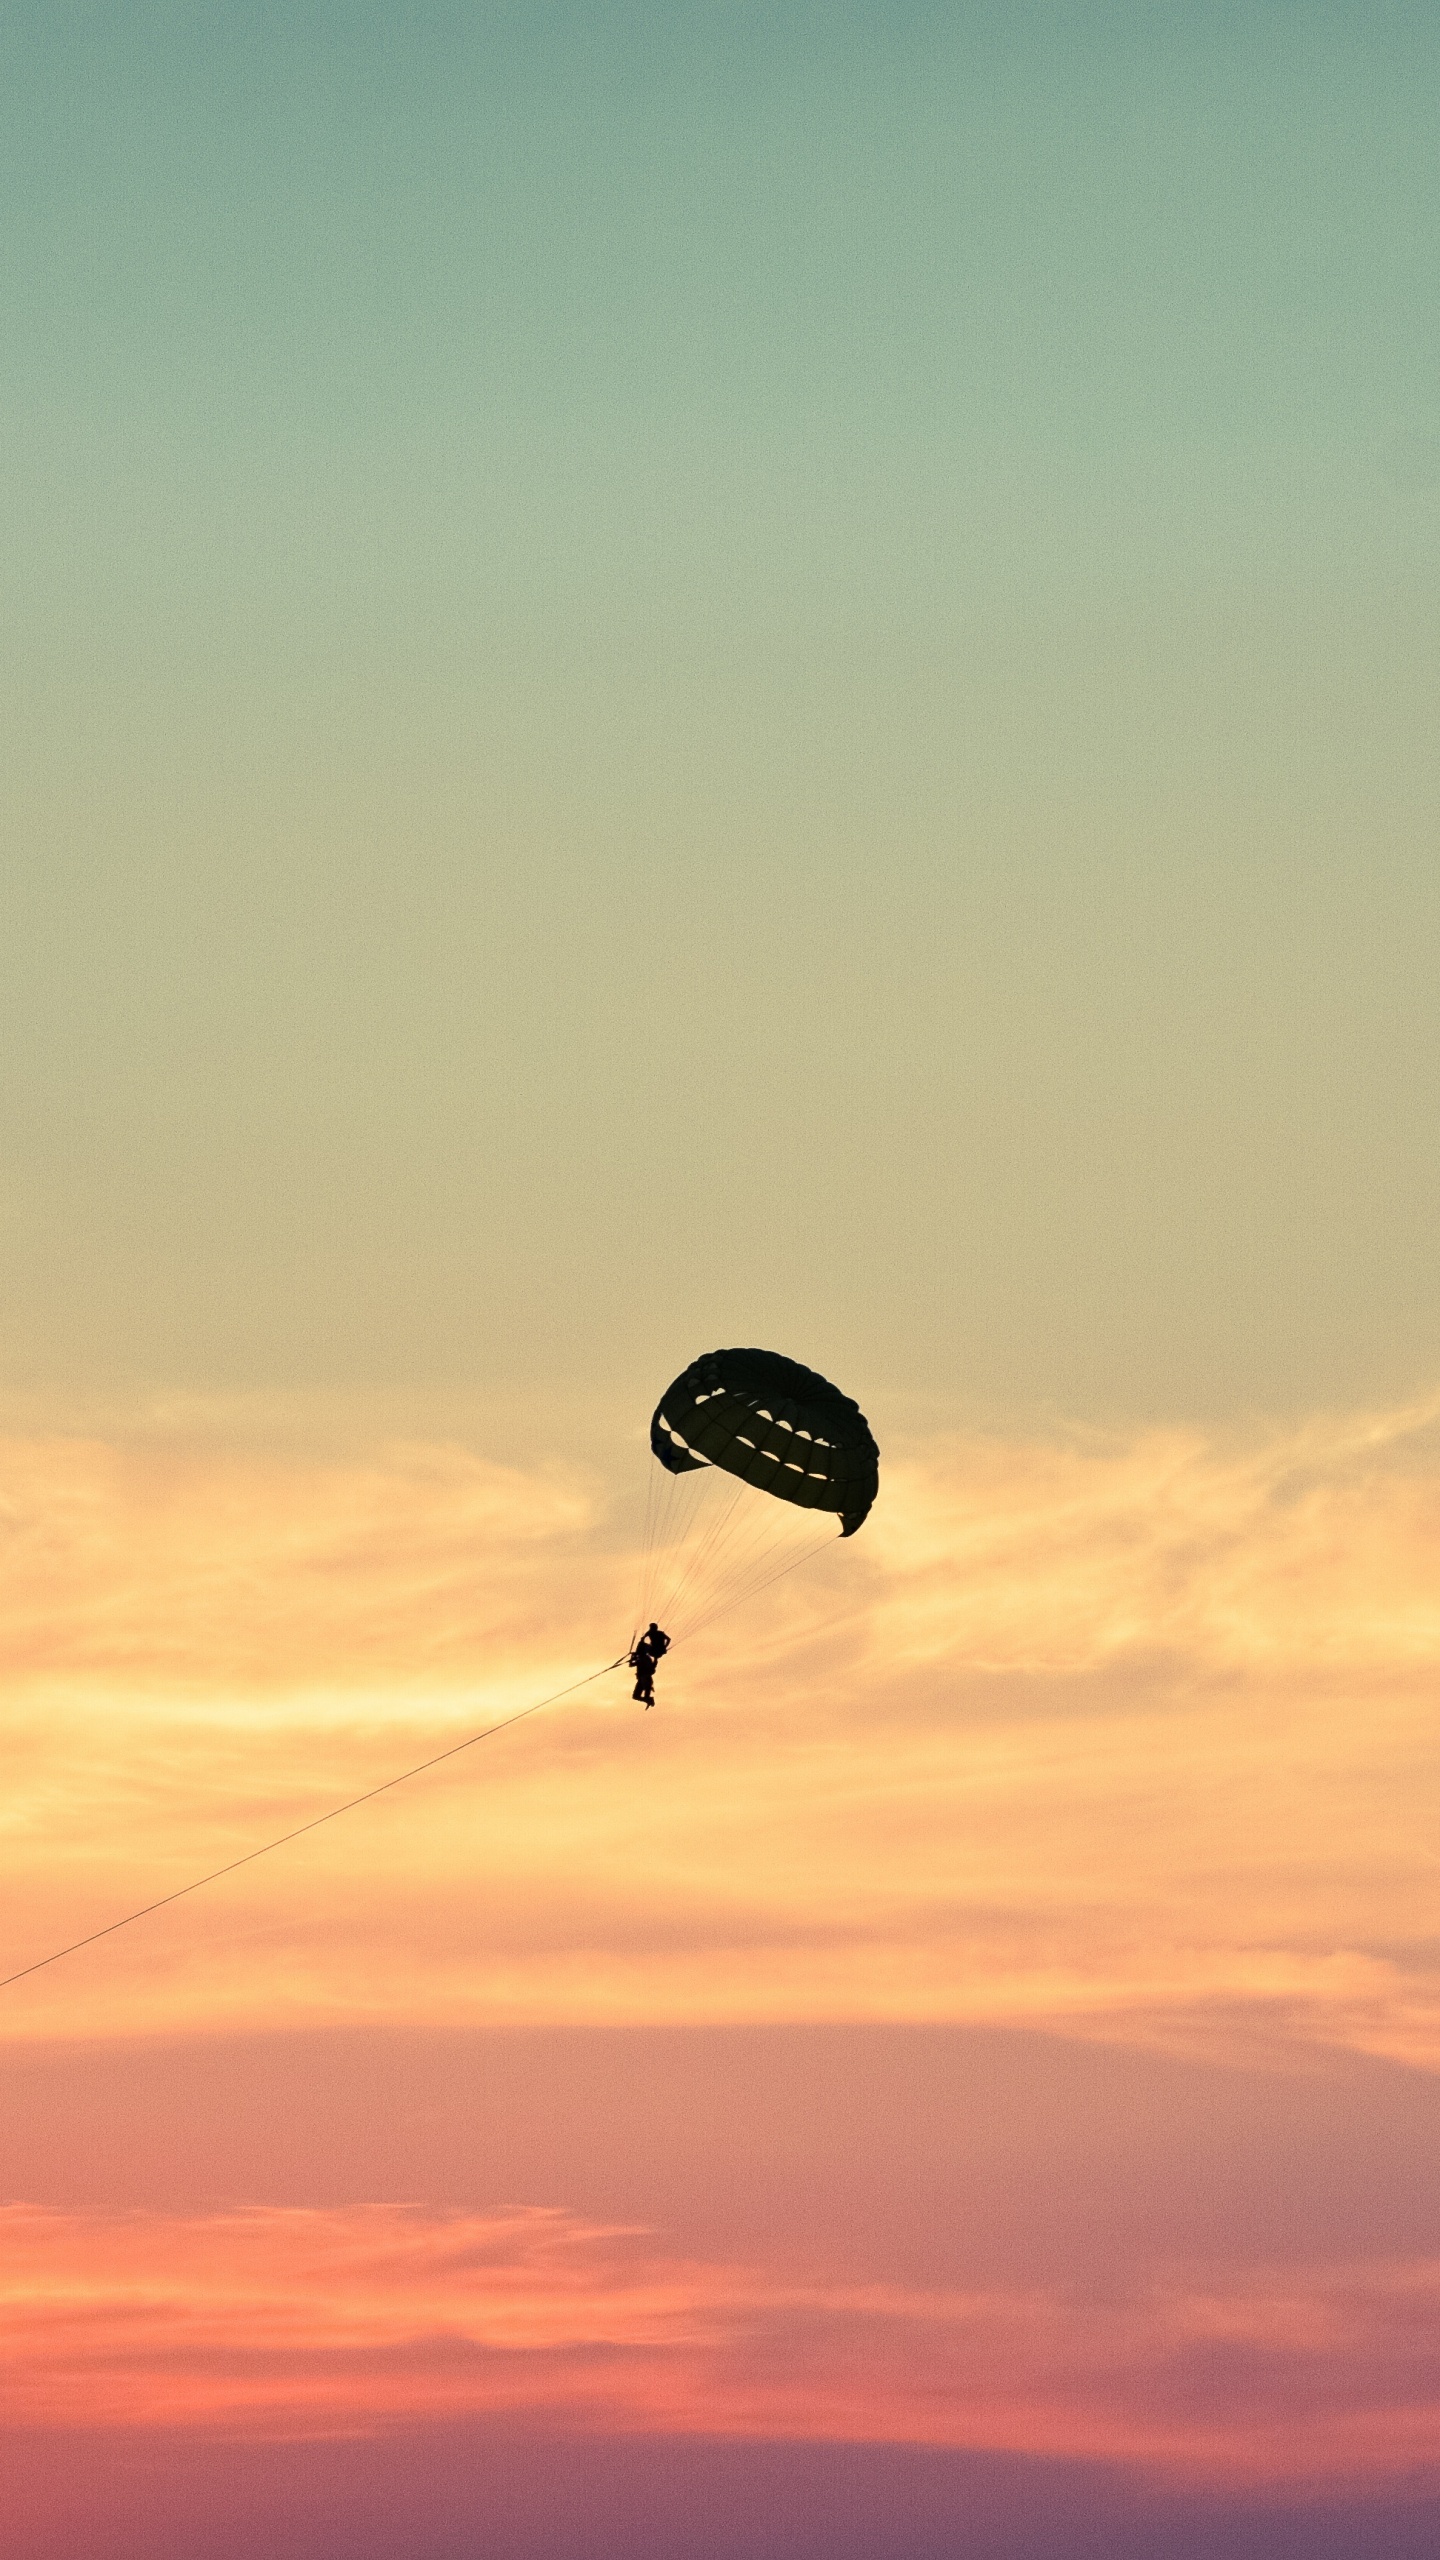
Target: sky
x,y
690,675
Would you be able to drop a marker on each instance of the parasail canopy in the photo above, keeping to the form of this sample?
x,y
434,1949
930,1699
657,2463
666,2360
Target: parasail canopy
x,y
775,1425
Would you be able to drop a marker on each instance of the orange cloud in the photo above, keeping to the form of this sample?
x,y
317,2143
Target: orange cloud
x,y
150,1565
1135,1737
274,2323
1312,1549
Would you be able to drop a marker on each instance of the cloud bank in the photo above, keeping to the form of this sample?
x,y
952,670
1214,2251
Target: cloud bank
x,y
278,2323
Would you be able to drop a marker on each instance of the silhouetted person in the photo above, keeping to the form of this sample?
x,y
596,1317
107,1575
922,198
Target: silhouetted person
x,y
647,1653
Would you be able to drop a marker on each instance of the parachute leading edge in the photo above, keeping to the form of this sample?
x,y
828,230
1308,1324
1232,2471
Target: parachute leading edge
x,y
775,1425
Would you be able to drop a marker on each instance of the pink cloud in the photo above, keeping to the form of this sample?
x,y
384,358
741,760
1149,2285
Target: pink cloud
x,y
275,2323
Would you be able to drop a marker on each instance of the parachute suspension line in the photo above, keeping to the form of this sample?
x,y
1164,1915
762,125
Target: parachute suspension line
x,y
685,1517
691,1563
713,1572
676,1504
751,1590
451,1752
685,1524
745,1542
726,1547
752,1536
647,1550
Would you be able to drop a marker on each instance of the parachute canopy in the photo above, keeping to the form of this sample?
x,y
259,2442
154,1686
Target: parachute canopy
x,y
775,1425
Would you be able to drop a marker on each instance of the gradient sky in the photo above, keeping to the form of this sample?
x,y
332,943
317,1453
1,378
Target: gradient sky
x,y
687,674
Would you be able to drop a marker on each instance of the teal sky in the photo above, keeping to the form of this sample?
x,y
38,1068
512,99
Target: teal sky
x,y
683,674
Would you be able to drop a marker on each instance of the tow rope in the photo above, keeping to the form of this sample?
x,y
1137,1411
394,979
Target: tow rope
x,y
316,1823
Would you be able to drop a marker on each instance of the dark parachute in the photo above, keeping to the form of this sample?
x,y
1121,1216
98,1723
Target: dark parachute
x,y
775,1425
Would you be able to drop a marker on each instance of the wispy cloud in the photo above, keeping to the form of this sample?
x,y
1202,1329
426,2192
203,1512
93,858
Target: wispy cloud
x,y
1311,1549
142,1565
1132,1736
310,2322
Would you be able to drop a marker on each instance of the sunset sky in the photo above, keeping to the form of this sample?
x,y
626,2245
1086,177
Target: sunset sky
x,y
684,675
